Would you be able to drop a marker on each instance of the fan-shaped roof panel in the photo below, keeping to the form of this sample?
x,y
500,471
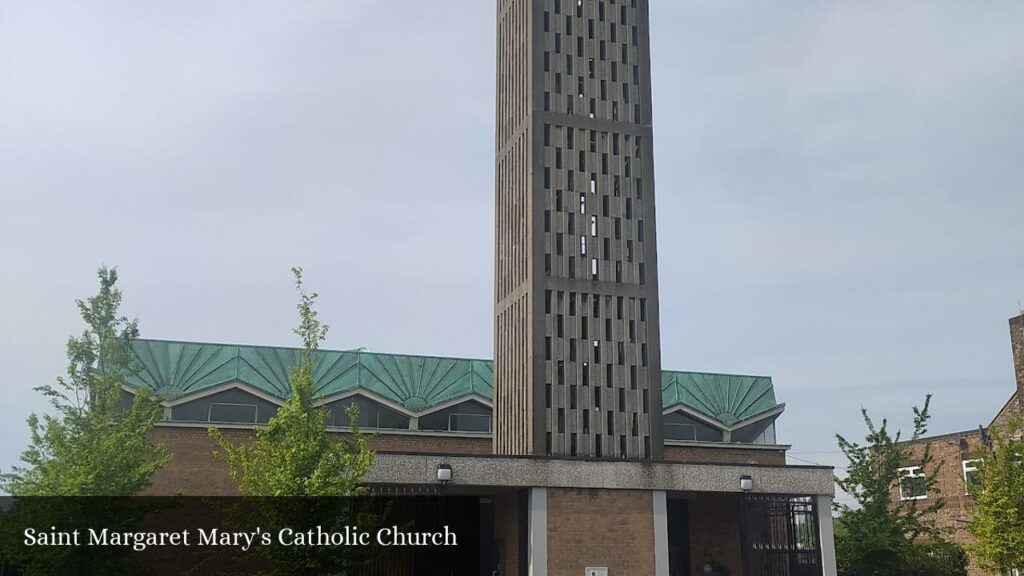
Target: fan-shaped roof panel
x,y
417,383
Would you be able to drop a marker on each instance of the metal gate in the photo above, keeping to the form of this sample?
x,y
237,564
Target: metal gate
x,y
780,535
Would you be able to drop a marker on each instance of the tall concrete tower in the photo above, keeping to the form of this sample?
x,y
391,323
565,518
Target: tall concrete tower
x,y
577,341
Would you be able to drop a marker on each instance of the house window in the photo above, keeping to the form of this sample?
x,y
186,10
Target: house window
x,y
970,467
912,483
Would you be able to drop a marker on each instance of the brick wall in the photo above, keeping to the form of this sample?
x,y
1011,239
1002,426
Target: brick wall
x,y
1017,346
724,455
613,528
715,531
194,470
948,453
1009,413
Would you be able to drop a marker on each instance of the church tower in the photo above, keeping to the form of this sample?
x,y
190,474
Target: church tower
x,y
577,358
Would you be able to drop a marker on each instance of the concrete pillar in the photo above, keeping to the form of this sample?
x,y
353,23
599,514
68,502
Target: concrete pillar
x,y
538,522
826,534
660,533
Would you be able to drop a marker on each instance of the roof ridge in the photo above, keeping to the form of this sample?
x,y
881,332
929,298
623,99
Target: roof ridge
x,y
717,373
436,356
326,350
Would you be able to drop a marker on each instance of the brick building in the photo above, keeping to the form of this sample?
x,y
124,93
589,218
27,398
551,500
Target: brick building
x,y
685,509
955,456
584,452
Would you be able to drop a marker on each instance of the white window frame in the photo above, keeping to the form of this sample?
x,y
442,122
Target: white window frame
x,y
912,472
969,465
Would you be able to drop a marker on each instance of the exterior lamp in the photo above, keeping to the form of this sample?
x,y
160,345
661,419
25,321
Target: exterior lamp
x,y
444,473
746,483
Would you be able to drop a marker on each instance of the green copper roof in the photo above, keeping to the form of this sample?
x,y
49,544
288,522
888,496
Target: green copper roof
x,y
176,369
727,398
417,383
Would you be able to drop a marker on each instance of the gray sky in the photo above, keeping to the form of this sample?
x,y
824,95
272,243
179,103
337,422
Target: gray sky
x,y
839,193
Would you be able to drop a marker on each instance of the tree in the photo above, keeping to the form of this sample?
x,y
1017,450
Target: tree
x,y
998,490
293,455
93,445
883,536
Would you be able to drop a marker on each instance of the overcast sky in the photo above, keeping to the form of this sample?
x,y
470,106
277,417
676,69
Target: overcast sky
x,y
839,188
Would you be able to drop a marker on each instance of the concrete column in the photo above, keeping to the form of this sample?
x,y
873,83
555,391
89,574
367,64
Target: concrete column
x,y
826,534
660,533
538,522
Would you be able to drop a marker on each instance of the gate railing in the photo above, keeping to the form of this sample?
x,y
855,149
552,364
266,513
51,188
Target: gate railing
x,y
780,535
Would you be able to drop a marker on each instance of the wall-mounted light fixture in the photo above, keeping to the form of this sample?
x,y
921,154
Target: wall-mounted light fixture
x,y
444,473
746,483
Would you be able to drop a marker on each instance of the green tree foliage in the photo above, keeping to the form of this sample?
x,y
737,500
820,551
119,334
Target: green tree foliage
x,y
92,445
293,455
998,490
886,536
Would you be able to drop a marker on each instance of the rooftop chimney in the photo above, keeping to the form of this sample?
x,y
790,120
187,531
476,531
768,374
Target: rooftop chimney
x,y
1017,344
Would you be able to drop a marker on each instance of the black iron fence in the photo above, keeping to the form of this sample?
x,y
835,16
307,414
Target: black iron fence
x,y
780,535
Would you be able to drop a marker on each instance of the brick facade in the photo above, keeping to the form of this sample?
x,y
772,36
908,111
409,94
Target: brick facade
x,y
730,455
194,470
586,527
612,528
948,453
1017,346
1010,412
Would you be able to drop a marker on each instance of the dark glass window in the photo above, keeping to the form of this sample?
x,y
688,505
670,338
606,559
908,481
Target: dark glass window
x,y
679,426
372,414
467,416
